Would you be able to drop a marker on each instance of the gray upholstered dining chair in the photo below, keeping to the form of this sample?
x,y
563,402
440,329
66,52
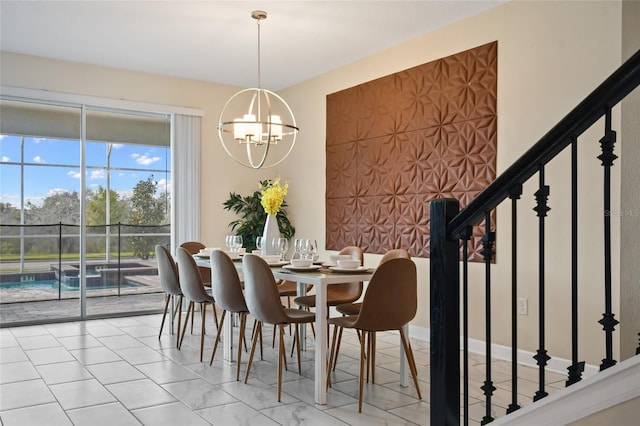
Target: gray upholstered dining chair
x,y
354,309
263,301
338,294
227,292
377,314
168,273
193,290
194,247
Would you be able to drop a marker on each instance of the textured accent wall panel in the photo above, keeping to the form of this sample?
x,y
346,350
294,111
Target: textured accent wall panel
x,y
395,143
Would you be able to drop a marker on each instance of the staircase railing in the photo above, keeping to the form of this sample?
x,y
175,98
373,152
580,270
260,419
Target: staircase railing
x,y
451,228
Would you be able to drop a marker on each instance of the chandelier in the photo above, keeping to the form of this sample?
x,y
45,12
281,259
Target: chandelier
x,y
256,126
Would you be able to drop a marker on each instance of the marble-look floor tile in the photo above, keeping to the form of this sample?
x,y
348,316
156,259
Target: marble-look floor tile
x,y
140,330
166,372
109,373
82,393
24,394
103,330
63,372
33,330
17,371
301,414
257,394
416,413
38,342
81,341
120,342
12,354
7,340
370,416
169,415
140,393
49,355
103,415
197,394
65,329
378,396
97,355
237,413
45,414
140,355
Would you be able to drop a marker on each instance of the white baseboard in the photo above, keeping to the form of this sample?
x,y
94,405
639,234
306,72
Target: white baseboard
x,y
558,365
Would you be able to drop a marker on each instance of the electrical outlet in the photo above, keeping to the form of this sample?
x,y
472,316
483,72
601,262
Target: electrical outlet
x,y
523,306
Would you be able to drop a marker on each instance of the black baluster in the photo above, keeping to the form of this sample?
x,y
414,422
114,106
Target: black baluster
x,y
608,321
487,253
465,321
60,261
514,195
119,252
542,194
577,367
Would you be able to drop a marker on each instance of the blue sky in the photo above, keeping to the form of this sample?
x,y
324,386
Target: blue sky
x,y
42,178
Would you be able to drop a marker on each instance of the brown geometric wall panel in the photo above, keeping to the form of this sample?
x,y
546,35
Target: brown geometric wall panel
x,y
398,142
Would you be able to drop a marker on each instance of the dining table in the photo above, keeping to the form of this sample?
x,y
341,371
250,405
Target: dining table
x,y
320,278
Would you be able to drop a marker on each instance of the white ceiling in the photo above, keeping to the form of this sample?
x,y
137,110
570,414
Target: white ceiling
x,y
216,41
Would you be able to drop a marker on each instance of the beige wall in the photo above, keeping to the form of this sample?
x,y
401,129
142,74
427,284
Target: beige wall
x,y
551,55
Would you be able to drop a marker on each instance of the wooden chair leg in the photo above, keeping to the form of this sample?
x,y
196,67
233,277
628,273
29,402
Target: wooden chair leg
x,y
164,316
297,339
179,319
411,360
361,379
337,347
215,344
281,358
241,337
186,322
333,356
253,349
203,308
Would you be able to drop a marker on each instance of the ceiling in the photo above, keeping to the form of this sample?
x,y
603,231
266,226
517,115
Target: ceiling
x,y
216,41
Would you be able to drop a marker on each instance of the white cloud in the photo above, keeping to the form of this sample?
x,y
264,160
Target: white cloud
x,y
13,199
144,159
54,191
163,185
38,140
5,159
117,145
98,174
74,174
38,159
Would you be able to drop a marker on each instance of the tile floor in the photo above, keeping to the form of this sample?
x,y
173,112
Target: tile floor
x,y
117,372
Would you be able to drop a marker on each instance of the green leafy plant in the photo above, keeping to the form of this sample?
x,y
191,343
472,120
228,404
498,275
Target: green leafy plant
x,y
253,216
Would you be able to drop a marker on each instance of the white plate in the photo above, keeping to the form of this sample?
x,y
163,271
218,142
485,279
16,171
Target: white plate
x,y
349,270
279,263
302,268
329,264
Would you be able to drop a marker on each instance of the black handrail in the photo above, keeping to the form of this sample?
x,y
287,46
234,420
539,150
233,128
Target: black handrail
x,y
449,227
622,82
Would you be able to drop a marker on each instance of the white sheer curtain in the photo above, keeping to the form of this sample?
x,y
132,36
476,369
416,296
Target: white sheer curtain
x,y
185,208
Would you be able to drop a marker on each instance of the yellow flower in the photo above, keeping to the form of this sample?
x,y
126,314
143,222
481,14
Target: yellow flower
x,y
273,196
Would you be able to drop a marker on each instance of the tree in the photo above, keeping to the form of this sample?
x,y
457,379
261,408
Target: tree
x,y
146,209
61,207
96,212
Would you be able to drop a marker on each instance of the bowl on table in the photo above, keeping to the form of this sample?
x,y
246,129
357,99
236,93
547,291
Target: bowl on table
x,y
301,263
271,258
348,263
335,257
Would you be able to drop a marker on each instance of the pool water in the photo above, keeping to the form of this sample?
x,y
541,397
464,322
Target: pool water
x,y
53,285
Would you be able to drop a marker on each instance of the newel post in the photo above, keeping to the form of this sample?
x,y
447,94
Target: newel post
x,y
445,315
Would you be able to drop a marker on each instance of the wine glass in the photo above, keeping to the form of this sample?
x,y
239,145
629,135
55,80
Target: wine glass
x,y
259,242
304,248
312,250
237,242
283,246
229,242
297,249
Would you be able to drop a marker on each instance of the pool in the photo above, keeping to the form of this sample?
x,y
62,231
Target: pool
x,y
53,285
30,285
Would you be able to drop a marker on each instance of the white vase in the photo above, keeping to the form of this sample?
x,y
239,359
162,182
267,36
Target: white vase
x,y
270,232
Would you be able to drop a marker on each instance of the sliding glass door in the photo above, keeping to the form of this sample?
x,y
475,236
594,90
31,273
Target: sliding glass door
x,y
84,197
